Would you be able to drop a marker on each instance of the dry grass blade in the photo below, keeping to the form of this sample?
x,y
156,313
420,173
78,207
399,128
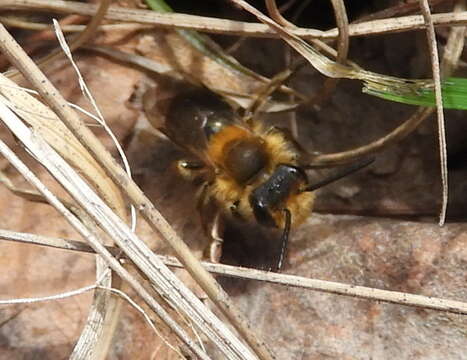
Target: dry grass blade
x,y
321,63
25,193
230,27
397,9
161,278
343,27
368,275
336,70
454,45
342,43
372,81
399,24
236,87
40,118
164,20
342,22
276,15
399,133
101,325
452,306
425,7
138,60
12,50
452,53
27,25
34,196
97,247
99,118
104,313
45,122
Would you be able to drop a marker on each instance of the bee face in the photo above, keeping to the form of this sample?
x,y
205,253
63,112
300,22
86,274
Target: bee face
x,y
270,198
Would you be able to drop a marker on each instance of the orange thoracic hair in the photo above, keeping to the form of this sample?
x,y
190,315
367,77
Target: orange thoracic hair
x,y
232,188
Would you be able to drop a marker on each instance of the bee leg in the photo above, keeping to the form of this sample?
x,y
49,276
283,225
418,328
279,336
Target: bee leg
x,y
201,205
234,210
212,226
189,169
215,249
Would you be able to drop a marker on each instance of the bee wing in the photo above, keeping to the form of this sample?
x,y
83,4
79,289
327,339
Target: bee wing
x,y
177,118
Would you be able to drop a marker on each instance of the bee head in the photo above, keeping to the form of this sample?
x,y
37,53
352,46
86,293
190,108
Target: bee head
x,y
271,197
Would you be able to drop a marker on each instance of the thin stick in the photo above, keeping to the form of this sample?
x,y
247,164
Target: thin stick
x,y
342,42
451,56
230,27
362,292
54,99
343,30
97,285
342,22
168,286
99,348
430,31
95,243
396,10
393,137
454,44
27,25
99,117
164,281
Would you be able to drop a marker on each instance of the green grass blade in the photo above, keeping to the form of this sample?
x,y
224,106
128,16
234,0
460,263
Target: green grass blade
x,y
414,92
454,91
159,6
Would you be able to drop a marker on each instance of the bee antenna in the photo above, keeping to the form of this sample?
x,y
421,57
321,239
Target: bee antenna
x,y
339,175
284,237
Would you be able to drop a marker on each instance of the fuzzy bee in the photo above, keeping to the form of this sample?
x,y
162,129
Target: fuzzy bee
x,y
250,171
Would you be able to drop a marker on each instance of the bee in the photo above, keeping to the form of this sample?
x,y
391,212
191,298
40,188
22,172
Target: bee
x,y
250,171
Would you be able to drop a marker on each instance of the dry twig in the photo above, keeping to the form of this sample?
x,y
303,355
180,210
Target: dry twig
x,y
51,95
235,28
362,292
430,29
163,280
